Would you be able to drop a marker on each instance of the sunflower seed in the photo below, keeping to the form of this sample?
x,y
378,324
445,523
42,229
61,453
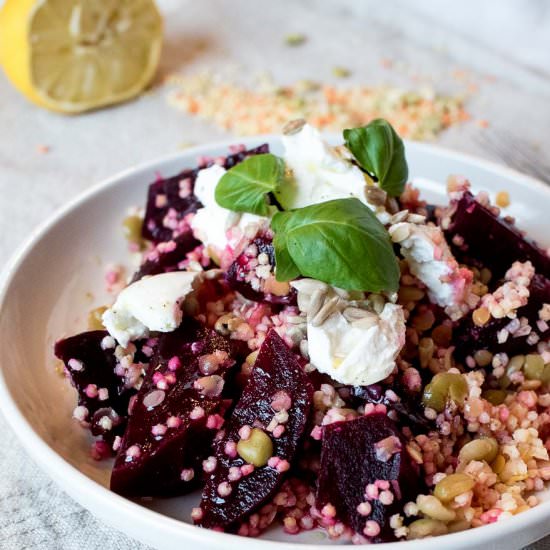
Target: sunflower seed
x,y
377,302
341,292
355,313
315,303
401,216
308,286
296,320
399,232
328,309
416,218
293,126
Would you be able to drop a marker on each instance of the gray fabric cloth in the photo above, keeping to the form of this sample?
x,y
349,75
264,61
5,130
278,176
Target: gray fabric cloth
x,y
36,514
427,39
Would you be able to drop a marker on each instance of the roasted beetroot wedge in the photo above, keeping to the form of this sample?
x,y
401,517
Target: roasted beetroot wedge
x,y
174,195
92,372
166,256
169,200
265,427
175,415
366,472
241,275
470,338
491,240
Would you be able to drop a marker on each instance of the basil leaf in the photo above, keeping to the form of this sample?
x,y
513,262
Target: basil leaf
x,y
380,151
244,187
340,242
285,268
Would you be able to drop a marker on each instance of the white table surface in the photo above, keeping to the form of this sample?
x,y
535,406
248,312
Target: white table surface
x,y
509,42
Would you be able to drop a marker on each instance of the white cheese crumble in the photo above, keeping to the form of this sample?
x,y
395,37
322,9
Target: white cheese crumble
x,y
212,222
430,259
357,352
319,173
150,304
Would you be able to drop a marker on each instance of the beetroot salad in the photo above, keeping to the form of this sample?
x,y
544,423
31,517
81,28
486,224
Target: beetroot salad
x,y
310,344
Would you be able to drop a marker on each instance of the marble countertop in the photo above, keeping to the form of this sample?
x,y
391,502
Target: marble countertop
x,y
500,49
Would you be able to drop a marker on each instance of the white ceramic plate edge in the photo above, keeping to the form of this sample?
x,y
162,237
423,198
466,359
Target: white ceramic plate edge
x,y
95,497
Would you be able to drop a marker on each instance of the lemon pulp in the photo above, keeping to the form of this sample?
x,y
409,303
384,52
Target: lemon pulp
x,y
76,55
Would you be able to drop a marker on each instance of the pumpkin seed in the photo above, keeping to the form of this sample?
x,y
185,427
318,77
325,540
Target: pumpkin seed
x,y
445,386
495,397
257,449
484,448
431,506
422,528
452,486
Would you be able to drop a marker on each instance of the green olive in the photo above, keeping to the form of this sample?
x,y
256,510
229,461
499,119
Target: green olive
x,y
257,449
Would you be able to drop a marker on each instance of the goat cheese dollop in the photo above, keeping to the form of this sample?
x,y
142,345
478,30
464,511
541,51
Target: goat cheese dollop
x,y
320,173
150,304
358,351
430,259
211,223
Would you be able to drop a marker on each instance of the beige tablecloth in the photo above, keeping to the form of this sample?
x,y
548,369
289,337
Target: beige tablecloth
x,y
502,47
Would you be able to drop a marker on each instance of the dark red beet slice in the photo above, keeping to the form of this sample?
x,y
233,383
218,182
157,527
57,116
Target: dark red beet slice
x,y
176,193
491,240
237,276
165,194
155,450
167,257
470,338
350,461
95,367
276,370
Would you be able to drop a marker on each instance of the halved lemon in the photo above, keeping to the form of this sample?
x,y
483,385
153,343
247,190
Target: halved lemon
x,y
76,55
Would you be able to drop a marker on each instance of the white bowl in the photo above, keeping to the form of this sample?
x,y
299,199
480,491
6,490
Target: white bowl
x,y
57,277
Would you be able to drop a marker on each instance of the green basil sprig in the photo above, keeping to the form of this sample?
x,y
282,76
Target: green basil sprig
x,y
380,151
244,187
340,242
